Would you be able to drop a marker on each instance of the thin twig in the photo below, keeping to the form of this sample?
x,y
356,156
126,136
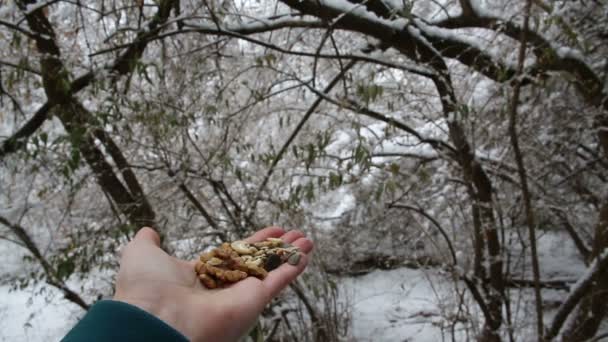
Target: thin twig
x,y
521,170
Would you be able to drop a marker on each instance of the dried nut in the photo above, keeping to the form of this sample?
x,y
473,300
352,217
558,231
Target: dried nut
x,y
225,251
269,243
206,256
229,276
233,276
275,240
294,258
254,262
260,253
243,247
209,282
281,251
258,272
197,267
272,262
232,262
214,261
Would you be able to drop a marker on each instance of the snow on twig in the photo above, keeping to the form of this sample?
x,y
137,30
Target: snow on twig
x,y
578,291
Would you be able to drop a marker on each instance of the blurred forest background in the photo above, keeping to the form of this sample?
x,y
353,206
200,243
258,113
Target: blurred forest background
x,y
463,143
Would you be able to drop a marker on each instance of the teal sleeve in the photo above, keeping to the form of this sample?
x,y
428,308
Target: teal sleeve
x,y
114,321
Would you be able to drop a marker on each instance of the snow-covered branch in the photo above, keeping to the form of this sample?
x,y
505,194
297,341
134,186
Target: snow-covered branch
x,y
18,140
579,290
550,57
51,273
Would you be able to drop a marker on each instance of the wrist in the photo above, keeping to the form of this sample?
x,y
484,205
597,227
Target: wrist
x,y
156,307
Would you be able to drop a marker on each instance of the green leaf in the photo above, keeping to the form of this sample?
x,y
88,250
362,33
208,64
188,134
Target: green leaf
x,y
257,333
369,93
391,187
379,192
16,42
270,59
210,109
65,268
335,180
310,155
74,162
394,168
423,175
361,154
309,194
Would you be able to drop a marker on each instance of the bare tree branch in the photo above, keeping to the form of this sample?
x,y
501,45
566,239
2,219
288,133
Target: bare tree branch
x,y
197,204
18,140
295,132
51,273
523,177
579,290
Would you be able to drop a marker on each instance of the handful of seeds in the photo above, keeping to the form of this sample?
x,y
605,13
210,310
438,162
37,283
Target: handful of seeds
x,y
238,260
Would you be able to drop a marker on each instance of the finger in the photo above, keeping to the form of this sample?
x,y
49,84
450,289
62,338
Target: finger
x,y
292,236
304,245
278,279
265,233
147,235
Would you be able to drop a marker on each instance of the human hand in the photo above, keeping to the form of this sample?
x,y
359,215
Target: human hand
x,y
169,289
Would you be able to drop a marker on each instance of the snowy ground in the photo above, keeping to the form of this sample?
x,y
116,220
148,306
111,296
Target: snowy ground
x,y
397,305
28,317
34,313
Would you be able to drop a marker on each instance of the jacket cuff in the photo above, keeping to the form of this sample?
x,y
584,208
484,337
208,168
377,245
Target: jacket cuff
x,y
115,321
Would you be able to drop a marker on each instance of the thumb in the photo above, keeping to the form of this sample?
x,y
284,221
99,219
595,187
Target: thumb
x,y
147,235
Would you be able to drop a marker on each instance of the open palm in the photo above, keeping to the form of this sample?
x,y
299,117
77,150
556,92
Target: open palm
x,y
168,288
